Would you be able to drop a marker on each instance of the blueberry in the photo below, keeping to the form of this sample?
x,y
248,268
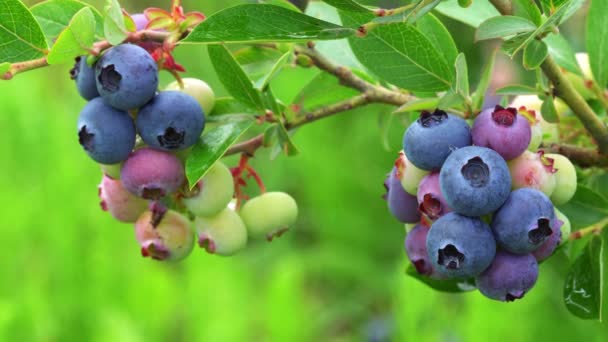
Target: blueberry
x,y
548,247
431,201
106,134
475,180
533,170
565,228
84,76
565,179
509,277
403,206
198,89
140,20
503,130
120,203
524,222
127,76
171,121
152,174
269,215
212,193
222,234
429,140
460,246
415,247
164,234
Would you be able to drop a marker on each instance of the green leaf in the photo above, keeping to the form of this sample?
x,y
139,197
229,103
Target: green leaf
x,y
451,285
462,76
411,15
418,105
114,24
560,50
557,18
549,112
439,35
75,40
400,54
4,68
504,26
233,77
264,81
259,62
534,54
527,9
516,89
550,6
586,208
347,5
322,90
450,99
21,38
281,3
285,144
585,284
55,15
211,147
259,23
229,105
484,82
474,15
597,41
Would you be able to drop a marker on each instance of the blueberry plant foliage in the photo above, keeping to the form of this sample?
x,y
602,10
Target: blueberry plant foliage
x,y
402,57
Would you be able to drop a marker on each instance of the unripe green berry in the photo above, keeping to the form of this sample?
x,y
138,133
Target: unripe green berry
x,y
111,170
270,214
164,234
409,175
222,234
566,228
565,179
198,89
212,193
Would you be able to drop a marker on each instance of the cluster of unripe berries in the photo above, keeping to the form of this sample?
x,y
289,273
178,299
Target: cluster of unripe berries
x,y
141,136
480,199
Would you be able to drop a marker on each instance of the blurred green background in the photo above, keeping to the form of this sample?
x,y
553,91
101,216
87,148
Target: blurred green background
x,y
71,273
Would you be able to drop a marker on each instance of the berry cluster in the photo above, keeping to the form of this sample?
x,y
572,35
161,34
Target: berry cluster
x,y
141,136
480,200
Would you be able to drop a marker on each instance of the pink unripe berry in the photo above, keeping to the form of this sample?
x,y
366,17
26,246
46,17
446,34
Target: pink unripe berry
x,y
533,170
120,203
152,174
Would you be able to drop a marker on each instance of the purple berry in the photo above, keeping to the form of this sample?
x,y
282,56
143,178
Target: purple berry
x,y
164,234
152,174
430,139
127,76
475,180
403,206
509,276
120,203
415,247
460,246
503,130
525,221
106,134
548,247
140,20
430,199
171,121
84,76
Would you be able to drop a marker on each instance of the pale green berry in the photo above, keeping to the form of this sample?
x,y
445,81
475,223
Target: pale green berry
x,y
111,170
222,234
566,228
409,175
565,179
212,193
270,214
164,234
198,89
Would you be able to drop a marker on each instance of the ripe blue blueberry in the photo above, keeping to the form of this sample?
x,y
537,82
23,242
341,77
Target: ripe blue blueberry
x,y
127,76
171,121
84,76
403,206
503,130
525,221
509,276
460,246
550,245
106,134
475,180
429,140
